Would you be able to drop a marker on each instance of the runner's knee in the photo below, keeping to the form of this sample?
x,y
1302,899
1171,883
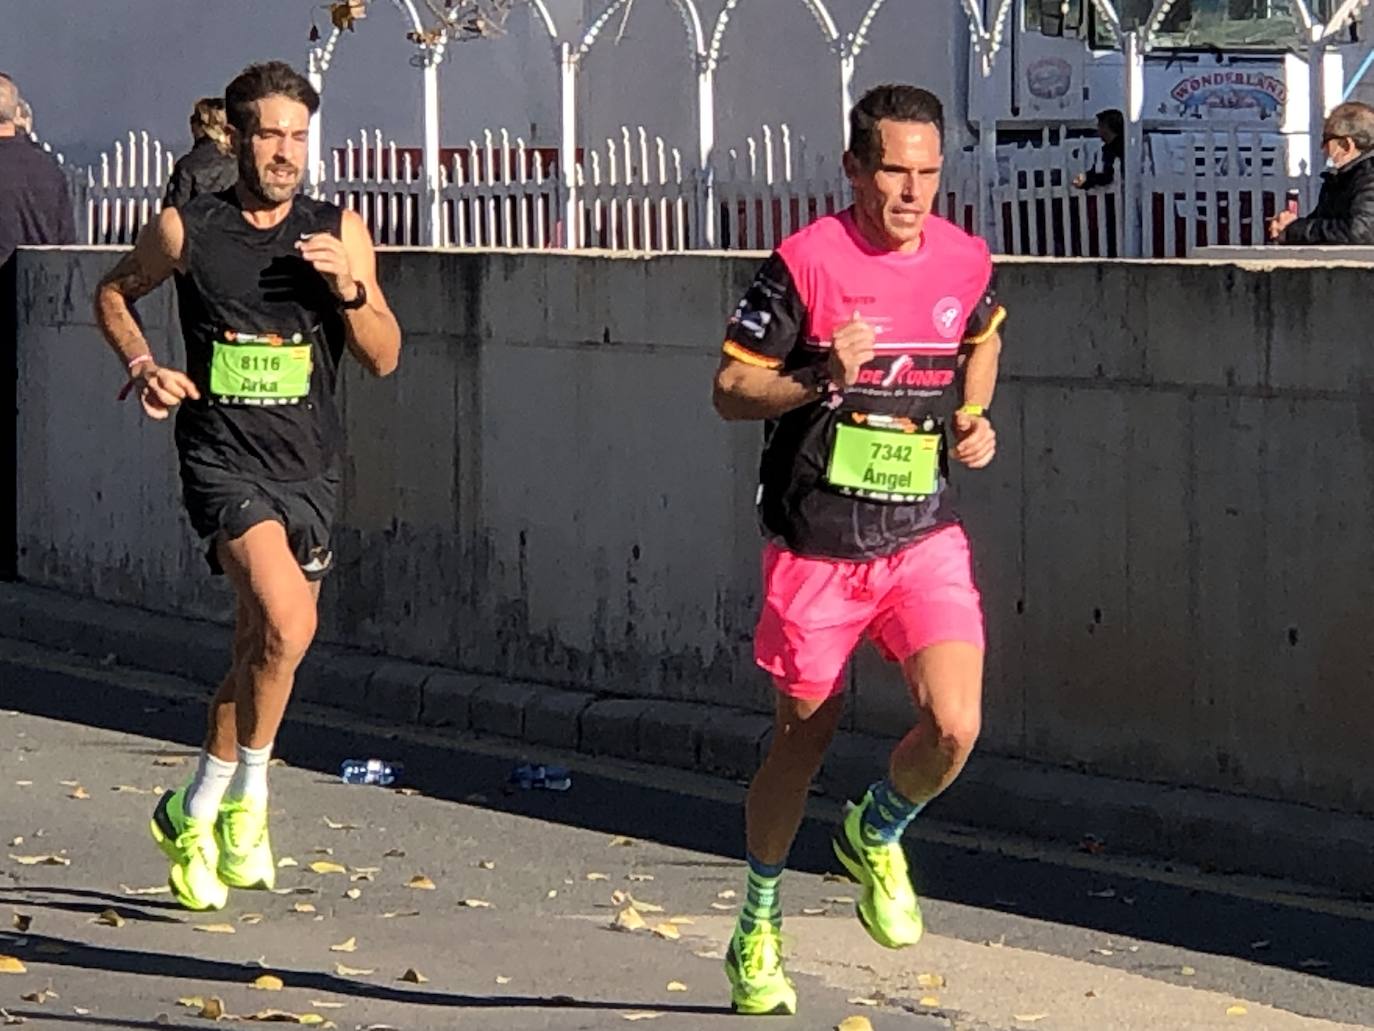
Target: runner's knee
x,y
286,637
956,729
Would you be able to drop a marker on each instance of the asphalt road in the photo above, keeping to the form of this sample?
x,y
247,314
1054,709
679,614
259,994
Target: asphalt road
x,y
515,932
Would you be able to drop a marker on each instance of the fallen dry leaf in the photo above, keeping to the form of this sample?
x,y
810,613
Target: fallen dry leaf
x,y
597,877
1104,952
1236,1011
215,928
553,893
676,986
251,918
80,793
23,783
929,1001
1187,971
70,783
80,1012
276,762
628,919
1028,1018
394,915
170,760
41,996
620,841
353,893
408,792
286,861
413,976
854,1024
339,826
156,889
16,842
22,922
475,904
344,971
728,893
42,860
326,1005
640,1015
486,864
682,921
351,945
324,867
129,789
213,1009
862,1000
9,1018
502,980
668,931
394,853
420,882
303,907
639,877
836,878
839,900
109,918
722,905
930,980
812,911
269,983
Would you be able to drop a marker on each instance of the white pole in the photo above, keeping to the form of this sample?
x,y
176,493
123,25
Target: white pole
x,y
706,145
1316,112
314,147
433,226
1133,70
567,149
846,92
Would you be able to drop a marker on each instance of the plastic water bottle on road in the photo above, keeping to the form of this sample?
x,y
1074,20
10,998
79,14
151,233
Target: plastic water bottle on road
x,y
370,771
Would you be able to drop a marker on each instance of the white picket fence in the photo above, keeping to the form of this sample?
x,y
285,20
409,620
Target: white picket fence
x,y
638,193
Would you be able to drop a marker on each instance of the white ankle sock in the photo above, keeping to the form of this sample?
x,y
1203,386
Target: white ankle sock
x,y
207,787
250,782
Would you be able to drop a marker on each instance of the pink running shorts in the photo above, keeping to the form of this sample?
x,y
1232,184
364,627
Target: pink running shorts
x,y
816,610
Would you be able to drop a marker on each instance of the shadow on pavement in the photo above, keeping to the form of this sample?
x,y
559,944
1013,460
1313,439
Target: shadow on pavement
x,y
1333,946
157,964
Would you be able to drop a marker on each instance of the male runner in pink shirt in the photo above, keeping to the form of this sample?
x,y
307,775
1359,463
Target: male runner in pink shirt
x,y
868,344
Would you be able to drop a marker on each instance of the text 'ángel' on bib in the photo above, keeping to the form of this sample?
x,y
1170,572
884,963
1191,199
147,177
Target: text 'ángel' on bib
x,y
883,458
265,369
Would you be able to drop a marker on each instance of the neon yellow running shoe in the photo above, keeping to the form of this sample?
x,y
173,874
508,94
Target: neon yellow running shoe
x,y
753,963
245,852
887,905
190,845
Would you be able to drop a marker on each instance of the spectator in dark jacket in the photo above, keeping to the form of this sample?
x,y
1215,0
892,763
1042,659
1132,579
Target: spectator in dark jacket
x,y
208,167
35,203
1345,208
1111,130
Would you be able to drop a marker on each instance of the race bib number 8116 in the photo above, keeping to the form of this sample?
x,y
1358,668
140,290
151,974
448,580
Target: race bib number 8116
x,y
260,370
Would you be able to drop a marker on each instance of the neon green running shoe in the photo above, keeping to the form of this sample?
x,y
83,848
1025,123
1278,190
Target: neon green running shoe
x,y
245,852
753,963
190,845
887,906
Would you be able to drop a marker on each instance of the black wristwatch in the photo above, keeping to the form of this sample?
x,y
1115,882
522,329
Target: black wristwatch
x,y
357,301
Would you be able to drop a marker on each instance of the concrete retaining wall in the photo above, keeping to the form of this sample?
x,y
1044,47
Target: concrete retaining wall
x,y
1174,545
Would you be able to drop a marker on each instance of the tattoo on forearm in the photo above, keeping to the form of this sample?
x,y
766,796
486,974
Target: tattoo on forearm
x,y
130,279
124,284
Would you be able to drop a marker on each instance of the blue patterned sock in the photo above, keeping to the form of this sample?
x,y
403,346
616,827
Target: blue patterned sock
x,y
887,815
761,900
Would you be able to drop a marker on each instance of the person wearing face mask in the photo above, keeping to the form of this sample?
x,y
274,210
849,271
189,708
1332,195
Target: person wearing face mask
x,y
1344,213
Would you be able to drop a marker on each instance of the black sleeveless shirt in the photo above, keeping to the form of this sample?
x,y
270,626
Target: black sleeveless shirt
x,y
246,282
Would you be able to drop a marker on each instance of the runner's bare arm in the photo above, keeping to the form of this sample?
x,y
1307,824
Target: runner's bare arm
x,y
374,335
980,372
154,258
744,391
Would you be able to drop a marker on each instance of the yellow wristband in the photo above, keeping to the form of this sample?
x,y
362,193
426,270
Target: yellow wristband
x,y
972,409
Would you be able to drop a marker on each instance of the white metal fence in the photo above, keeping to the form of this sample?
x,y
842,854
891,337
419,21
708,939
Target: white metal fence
x,y
638,193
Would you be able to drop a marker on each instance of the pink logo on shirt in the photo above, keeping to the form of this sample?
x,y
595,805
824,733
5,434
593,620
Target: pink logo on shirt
x,y
946,315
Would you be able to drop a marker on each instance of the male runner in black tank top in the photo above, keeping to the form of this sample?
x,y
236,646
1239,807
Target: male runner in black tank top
x,y
272,287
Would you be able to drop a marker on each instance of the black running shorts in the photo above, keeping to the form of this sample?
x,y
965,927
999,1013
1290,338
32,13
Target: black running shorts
x,y
223,505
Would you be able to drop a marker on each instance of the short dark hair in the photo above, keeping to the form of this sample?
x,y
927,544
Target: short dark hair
x,y
1353,121
897,103
269,79
1113,119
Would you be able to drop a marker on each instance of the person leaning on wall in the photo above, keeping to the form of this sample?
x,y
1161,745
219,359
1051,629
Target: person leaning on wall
x,y
1345,208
